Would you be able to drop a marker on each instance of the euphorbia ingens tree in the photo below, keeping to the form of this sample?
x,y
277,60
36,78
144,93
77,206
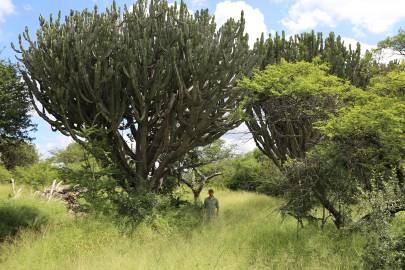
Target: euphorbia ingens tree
x,y
138,88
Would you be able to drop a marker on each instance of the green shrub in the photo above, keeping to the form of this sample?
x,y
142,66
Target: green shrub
x,y
399,250
37,175
384,251
101,194
13,218
73,153
5,175
28,213
385,246
254,172
18,154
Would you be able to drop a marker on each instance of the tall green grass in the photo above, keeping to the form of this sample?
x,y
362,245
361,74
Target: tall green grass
x,y
249,234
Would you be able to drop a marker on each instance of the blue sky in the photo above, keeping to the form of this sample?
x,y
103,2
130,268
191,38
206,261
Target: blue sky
x,y
366,21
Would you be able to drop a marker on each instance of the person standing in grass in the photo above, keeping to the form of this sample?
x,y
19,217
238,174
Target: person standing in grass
x,y
211,206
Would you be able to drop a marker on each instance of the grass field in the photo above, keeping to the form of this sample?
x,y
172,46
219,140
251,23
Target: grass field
x,y
249,234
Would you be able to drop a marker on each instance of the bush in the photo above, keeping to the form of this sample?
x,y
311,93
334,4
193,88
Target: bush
x,y
14,218
73,153
37,175
385,248
18,154
158,211
254,172
5,175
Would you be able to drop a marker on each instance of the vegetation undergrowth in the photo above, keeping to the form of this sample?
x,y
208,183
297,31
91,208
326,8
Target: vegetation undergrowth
x,y
250,233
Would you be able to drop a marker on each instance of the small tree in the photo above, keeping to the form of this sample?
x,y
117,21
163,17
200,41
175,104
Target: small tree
x,y
15,122
395,43
18,153
363,149
254,171
285,101
198,167
139,88
73,153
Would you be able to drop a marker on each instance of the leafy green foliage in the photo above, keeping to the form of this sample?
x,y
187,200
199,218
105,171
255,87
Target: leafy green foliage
x,y
156,211
391,84
252,171
363,148
343,61
395,43
38,175
18,154
206,155
102,194
384,248
15,121
246,174
74,153
371,133
5,175
285,101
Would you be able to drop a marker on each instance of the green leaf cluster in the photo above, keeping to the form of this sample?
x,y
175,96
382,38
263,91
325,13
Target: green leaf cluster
x,y
284,102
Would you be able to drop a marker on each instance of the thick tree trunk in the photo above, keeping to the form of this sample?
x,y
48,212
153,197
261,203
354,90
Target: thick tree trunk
x,y
141,156
196,193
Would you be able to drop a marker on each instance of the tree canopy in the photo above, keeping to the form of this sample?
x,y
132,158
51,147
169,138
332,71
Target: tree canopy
x,y
285,101
342,59
371,133
362,151
137,88
15,122
18,154
395,43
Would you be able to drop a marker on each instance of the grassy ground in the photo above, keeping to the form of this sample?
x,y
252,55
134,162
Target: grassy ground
x,y
249,234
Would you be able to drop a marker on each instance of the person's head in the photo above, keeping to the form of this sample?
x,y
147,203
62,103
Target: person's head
x,y
211,192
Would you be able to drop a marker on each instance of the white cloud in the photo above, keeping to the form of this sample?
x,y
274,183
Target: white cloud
x,y
55,141
199,2
255,24
307,20
6,8
375,16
